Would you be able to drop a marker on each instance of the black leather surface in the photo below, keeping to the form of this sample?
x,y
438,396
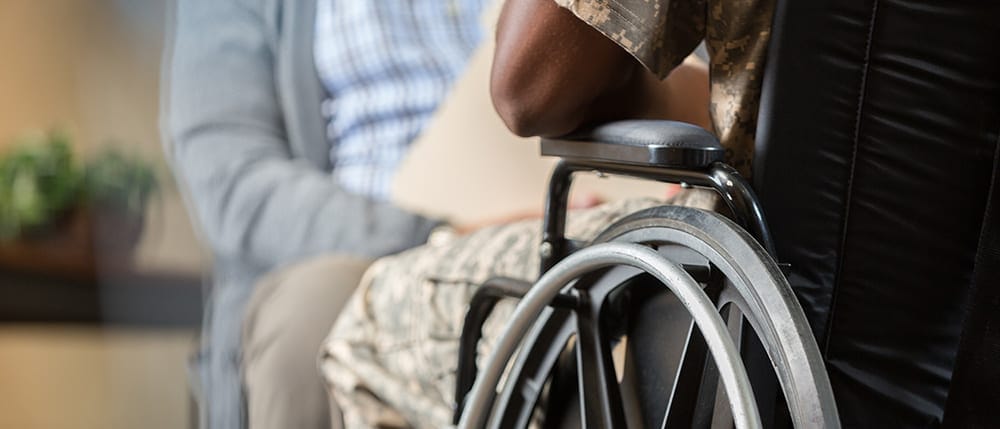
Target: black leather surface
x,y
873,163
974,399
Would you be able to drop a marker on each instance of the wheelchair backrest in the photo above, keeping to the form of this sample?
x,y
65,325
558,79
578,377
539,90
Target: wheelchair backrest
x,y
875,149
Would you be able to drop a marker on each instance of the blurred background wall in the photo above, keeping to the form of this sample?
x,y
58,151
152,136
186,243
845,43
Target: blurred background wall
x,y
91,67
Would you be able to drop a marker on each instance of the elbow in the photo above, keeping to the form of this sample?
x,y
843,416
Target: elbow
x,y
520,113
527,111
550,69
520,119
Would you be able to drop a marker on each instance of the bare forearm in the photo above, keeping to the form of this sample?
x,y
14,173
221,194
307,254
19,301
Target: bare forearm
x,y
553,73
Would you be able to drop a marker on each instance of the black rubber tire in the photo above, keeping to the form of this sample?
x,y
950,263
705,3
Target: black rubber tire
x,y
755,285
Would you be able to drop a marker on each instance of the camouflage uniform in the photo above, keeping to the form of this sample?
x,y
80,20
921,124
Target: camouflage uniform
x,y
661,33
391,357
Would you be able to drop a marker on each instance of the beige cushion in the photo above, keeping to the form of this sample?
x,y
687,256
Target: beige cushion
x,y
467,166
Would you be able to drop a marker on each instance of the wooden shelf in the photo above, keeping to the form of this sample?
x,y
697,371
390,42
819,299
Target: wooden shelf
x,y
135,299
79,270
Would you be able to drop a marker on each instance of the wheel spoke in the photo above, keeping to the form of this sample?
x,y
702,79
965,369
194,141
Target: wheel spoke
x,y
722,416
533,367
693,395
599,393
684,395
770,398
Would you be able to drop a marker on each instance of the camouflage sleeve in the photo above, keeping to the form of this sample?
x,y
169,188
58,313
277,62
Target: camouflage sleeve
x,y
659,33
737,37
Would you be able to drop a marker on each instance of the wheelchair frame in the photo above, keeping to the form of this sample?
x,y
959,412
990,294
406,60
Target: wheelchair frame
x,y
654,150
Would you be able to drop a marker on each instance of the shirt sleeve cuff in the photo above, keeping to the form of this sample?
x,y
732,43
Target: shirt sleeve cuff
x,y
641,27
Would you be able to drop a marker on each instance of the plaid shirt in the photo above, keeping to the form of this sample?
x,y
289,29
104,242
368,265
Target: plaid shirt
x,y
386,65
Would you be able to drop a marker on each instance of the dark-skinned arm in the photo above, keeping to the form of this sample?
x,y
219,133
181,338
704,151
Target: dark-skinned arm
x,y
553,73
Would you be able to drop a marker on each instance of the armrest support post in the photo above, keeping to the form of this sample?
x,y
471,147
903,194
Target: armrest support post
x,y
735,191
554,244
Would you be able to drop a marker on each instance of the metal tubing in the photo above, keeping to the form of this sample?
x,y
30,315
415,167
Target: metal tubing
x,y
740,198
734,189
600,398
480,307
554,246
721,346
767,302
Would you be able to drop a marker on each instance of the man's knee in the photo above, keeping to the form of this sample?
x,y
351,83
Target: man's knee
x,y
289,314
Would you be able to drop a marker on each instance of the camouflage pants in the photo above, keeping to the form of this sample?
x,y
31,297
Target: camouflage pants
x,y
391,358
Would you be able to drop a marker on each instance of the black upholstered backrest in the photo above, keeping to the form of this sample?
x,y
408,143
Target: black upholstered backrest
x,y
875,149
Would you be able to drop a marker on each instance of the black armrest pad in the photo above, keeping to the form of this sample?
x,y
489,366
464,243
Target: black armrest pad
x,y
654,143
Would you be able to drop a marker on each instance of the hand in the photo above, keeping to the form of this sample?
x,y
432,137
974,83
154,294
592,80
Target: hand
x,y
510,218
672,190
578,202
585,201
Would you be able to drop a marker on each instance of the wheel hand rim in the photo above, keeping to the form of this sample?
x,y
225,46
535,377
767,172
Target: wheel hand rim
x,y
703,311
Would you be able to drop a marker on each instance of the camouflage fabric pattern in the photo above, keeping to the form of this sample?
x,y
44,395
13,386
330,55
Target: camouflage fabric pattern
x,y
661,33
390,359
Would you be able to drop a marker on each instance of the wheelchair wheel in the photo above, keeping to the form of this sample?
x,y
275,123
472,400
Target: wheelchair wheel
x,y
565,373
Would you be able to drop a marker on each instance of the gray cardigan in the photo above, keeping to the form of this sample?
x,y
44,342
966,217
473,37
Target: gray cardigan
x,y
244,133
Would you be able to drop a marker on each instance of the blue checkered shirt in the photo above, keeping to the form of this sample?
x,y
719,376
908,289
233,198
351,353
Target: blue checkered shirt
x,y
386,65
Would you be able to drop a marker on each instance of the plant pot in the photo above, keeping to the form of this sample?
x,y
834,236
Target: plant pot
x,y
85,242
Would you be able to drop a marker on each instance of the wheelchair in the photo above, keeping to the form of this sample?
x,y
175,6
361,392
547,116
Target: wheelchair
x,y
680,290
877,155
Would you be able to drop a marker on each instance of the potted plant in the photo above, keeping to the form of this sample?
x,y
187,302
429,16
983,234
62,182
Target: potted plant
x,y
39,182
59,217
117,188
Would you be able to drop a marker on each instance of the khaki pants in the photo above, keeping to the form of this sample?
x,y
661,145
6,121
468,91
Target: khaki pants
x,y
289,314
